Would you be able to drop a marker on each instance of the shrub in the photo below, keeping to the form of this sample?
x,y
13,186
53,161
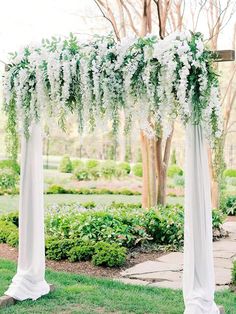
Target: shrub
x,y
82,173
228,205
137,170
92,163
56,189
10,164
178,180
7,228
218,218
234,273
83,252
8,179
89,205
125,166
77,163
11,217
108,169
231,181
65,165
174,170
58,249
111,255
13,239
230,173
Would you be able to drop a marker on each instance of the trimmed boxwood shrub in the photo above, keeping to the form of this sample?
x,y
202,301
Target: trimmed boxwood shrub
x,y
8,233
65,165
58,249
111,255
137,170
230,173
82,252
174,170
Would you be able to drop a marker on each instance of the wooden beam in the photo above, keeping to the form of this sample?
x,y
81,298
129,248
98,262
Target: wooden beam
x,y
225,55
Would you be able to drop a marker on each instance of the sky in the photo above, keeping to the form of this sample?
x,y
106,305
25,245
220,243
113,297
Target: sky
x,y
24,22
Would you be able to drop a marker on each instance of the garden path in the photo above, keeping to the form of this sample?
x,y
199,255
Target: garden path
x,y
166,271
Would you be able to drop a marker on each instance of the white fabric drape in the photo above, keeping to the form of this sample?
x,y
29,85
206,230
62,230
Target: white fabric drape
x,y
29,282
199,281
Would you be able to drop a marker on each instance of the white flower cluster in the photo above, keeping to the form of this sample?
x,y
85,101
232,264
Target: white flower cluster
x,y
153,81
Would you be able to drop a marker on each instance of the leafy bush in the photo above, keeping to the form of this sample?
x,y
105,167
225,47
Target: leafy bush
x,y
218,218
174,170
11,217
228,205
10,164
108,169
231,181
8,179
125,166
56,189
137,170
82,173
230,173
234,273
58,249
111,255
82,252
178,180
66,165
13,239
92,163
77,163
7,231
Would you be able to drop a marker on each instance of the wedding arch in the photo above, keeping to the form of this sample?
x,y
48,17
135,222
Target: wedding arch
x,y
153,82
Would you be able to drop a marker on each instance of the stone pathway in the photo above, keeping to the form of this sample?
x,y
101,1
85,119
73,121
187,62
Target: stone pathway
x,y
166,271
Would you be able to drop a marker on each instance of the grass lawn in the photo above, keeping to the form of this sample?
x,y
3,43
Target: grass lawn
x,y
87,295
10,203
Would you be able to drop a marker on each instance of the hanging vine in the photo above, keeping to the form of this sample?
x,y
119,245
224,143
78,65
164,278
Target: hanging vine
x,y
152,80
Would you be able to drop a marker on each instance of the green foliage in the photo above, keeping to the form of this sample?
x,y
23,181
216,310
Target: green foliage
x,y
66,165
10,164
218,218
92,163
178,180
125,166
231,181
108,169
57,248
82,173
174,170
230,173
138,170
77,163
111,255
56,189
8,233
228,204
173,160
234,274
8,180
12,217
82,252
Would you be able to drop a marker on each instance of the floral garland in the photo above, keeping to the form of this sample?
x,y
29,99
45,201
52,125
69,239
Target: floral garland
x,y
153,81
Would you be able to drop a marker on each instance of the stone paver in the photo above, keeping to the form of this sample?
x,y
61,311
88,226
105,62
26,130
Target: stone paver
x,y
166,271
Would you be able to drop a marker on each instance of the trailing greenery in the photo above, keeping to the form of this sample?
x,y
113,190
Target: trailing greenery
x,y
153,81
10,164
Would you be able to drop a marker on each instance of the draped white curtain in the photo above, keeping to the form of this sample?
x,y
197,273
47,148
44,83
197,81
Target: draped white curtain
x,y
199,281
29,282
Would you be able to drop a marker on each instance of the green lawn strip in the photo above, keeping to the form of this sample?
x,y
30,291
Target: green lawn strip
x,y
87,295
10,202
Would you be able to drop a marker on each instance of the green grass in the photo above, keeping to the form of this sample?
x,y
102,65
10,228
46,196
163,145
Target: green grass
x,y
10,202
87,295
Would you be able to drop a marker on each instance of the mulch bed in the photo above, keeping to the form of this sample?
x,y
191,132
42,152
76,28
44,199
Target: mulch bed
x,y
86,268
